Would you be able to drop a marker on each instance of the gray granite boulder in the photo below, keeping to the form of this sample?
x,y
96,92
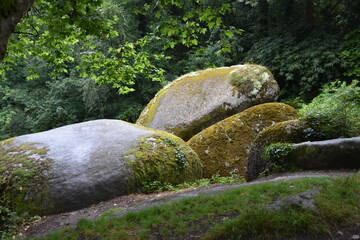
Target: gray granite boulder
x,y
77,165
330,154
199,99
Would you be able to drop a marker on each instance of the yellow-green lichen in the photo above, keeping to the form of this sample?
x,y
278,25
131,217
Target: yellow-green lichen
x,y
196,101
223,148
218,74
22,184
249,79
291,131
164,158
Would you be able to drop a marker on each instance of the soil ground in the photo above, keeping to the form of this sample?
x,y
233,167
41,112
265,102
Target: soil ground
x,y
137,202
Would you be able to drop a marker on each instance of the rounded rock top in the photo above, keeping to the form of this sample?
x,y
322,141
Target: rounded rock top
x,y
199,99
74,166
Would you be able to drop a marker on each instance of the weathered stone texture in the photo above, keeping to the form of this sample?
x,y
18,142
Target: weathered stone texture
x,y
223,148
197,100
330,154
77,165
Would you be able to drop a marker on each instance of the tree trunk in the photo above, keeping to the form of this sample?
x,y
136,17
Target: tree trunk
x,y
263,12
309,12
11,11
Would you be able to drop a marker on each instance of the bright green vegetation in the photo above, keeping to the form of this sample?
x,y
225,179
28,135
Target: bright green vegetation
x,y
275,153
237,212
334,113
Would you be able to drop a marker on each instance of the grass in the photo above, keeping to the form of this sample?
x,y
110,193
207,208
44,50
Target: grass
x,y
233,214
157,186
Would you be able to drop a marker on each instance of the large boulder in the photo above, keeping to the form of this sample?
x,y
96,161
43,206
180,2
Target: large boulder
x,y
330,154
72,167
223,148
291,131
199,99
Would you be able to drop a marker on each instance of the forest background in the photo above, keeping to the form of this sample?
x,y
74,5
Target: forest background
x,y
76,60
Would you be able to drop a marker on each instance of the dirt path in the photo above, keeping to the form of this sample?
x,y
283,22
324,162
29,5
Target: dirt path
x,y
137,202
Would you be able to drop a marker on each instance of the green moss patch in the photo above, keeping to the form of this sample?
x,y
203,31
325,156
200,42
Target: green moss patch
x,y
198,100
22,171
192,83
291,131
223,148
163,158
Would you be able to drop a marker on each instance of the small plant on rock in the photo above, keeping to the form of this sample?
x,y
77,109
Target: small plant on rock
x,y
275,154
277,151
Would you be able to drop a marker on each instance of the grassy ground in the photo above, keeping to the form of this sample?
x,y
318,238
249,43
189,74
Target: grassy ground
x,y
235,214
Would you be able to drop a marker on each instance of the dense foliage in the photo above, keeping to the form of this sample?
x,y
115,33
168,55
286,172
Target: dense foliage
x,y
68,60
334,113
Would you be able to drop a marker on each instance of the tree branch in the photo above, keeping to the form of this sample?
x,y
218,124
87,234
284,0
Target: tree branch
x,y
25,33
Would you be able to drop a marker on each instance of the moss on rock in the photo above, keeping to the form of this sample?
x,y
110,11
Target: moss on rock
x,y
74,166
22,168
165,158
250,79
291,131
199,99
223,148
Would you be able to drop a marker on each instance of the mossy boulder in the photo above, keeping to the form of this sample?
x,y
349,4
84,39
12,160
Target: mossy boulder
x,y
72,167
199,99
291,131
223,148
342,153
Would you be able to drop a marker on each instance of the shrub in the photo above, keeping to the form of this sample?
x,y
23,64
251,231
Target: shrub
x,y
275,154
351,54
334,113
11,221
277,151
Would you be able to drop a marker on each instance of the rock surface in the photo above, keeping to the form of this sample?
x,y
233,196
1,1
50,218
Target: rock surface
x,y
331,154
199,99
291,131
223,148
303,200
77,165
